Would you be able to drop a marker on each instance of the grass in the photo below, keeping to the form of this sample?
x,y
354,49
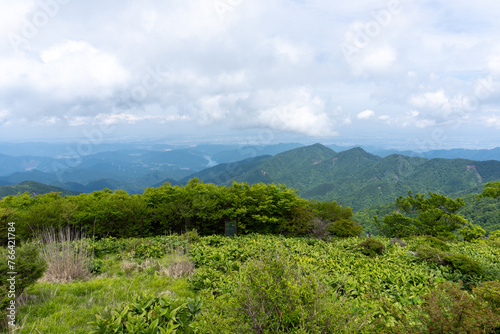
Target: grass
x,y
57,307
67,256
56,304
68,297
52,307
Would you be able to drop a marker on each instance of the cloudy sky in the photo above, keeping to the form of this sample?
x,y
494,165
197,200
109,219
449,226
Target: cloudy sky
x,y
415,73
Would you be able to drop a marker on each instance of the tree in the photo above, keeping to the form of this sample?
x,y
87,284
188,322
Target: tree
x,y
419,215
491,189
471,232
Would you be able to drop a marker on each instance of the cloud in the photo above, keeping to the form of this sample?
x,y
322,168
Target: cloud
x,y
298,112
277,65
492,121
71,70
367,114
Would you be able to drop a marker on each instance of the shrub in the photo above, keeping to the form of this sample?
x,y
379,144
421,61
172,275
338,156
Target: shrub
x,y
191,236
448,309
345,228
300,223
494,243
29,267
494,235
436,243
320,228
275,295
490,292
429,254
471,232
463,263
371,247
150,314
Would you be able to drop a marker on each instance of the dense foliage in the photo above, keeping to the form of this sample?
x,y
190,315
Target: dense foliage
x,y
205,207
150,315
434,215
266,283
491,189
482,211
26,266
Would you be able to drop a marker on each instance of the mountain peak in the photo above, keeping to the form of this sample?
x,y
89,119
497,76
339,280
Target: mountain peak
x,y
358,152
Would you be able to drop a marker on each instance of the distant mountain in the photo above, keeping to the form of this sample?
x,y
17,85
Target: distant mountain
x,y
34,188
246,152
31,175
456,153
10,164
355,177
223,173
134,166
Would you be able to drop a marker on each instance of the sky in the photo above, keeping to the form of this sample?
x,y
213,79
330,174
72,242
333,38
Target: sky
x,y
401,73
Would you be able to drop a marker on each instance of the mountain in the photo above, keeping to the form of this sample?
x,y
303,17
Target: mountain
x,y
318,172
32,188
355,177
455,153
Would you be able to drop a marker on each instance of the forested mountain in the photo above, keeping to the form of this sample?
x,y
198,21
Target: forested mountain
x,y
31,187
352,177
455,153
128,167
356,178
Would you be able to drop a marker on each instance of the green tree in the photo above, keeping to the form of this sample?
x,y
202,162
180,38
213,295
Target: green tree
x,y
491,189
471,232
420,215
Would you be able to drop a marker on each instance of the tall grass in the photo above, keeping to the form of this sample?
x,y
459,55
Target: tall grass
x,y
180,265
67,255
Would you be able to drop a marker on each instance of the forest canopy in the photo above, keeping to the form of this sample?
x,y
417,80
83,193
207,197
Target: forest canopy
x,y
260,208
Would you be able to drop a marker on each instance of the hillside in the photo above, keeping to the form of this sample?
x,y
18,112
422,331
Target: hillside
x,y
32,188
357,178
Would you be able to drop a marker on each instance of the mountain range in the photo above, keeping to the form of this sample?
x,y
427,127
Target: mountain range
x,y
352,177
355,177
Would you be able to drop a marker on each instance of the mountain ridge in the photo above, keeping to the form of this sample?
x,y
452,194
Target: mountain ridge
x,y
360,179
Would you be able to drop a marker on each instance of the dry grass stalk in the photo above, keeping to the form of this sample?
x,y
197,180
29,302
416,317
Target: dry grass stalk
x,y
180,265
67,255
180,268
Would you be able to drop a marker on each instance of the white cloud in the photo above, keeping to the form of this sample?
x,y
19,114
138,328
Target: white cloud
x,y
246,68
73,69
121,118
367,114
297,110
293,53
492,121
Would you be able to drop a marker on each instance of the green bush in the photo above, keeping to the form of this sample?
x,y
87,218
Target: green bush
x,y
191,236
150,314
448,309
276,295
494,243
29,266
494,235
435,243
345,228
464,264
471,232
490,292
429,254
371,247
